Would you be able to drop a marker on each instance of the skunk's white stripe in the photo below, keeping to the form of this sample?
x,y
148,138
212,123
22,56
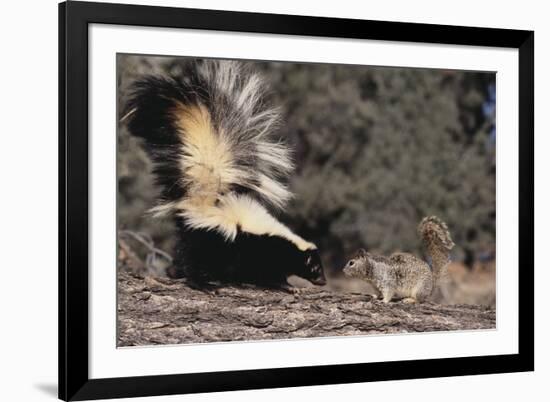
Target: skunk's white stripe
x,y
238,211
163,209
249,94
276,154
206,161
272,190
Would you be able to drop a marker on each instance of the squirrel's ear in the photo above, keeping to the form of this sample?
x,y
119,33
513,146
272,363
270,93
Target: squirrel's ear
x,y
361,252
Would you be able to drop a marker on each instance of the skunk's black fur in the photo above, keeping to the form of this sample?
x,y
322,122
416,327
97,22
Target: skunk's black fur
x,y
219,164
249,258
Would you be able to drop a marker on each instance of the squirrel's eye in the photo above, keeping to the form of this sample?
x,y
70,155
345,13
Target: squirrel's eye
x,y
351,263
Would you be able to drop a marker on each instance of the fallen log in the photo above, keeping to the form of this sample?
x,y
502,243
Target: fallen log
x,y
155,311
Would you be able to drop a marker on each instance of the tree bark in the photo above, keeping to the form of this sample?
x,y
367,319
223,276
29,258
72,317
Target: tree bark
x,y
155,311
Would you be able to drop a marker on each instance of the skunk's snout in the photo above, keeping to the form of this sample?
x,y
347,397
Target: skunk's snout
x,y
320,280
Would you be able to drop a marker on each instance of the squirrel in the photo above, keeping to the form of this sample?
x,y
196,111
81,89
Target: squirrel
x,y
403,274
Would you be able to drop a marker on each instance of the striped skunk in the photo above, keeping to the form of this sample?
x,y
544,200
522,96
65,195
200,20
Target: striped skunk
x,y
219,164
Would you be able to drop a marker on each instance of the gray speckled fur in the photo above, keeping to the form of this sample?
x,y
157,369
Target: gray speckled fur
x,y
404,275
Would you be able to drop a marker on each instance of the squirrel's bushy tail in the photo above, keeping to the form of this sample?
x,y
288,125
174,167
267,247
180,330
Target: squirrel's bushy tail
x,y
437,240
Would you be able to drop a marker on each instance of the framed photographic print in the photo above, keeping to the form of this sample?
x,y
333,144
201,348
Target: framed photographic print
x,y
257,201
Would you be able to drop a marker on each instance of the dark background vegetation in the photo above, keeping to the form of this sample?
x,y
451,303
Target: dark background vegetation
x,y
377,148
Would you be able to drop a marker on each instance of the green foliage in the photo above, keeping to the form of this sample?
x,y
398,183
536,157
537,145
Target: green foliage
x,y
377,149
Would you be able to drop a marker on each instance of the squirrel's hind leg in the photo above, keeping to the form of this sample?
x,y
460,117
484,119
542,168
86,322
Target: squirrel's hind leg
x,y
417,295
422,291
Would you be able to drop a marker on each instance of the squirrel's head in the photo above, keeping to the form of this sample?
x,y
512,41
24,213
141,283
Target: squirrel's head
x,y
359,265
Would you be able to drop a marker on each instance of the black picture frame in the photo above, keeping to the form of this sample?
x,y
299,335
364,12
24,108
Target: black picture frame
x,y
74,18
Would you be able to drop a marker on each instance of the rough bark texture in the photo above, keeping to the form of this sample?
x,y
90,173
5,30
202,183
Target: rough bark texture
x,y
163,311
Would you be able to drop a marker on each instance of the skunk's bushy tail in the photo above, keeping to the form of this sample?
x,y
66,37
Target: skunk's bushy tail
x,y
209,134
